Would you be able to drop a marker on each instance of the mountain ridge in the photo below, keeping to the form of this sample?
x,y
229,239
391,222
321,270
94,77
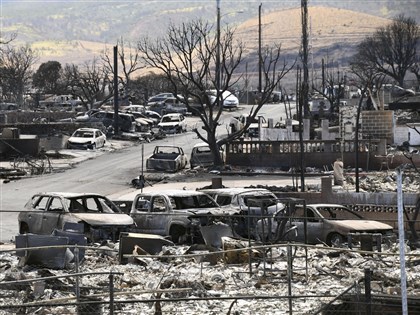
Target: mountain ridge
x,y
334,31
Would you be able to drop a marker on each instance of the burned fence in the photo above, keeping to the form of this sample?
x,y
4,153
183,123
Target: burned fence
x,y
318,153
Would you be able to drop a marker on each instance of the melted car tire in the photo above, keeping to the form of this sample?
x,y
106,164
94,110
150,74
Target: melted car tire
x,y
24,228
176,232
335,240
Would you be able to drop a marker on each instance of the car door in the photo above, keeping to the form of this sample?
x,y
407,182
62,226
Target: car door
x,y
140,213
314,225
96,117
35,213
158,217
52,216
99,139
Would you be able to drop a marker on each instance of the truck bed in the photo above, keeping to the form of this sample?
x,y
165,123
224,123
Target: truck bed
x,y
164,156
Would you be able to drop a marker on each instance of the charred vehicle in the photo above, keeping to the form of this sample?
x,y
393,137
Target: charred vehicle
x,y
250,203
175,213
328,224
167,158
173,123
202,155
97,216
239,123
127,122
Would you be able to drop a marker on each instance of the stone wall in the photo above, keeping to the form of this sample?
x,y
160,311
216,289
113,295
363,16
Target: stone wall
x,y
378,124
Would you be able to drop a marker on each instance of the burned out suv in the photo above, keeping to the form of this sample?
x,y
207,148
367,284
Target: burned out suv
x,y
126,121
250,203
95,215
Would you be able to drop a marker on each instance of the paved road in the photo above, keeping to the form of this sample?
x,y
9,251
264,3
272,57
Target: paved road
x,y
108,173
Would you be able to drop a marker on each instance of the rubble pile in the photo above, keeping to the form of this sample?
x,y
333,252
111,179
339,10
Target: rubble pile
x,y
384,181
192,284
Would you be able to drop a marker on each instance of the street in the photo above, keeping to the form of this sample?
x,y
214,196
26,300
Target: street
x,y
107,173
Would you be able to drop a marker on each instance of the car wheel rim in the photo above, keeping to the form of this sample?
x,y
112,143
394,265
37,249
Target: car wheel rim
x,y
336,240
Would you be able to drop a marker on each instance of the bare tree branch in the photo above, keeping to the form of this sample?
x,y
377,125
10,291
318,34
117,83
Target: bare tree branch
x,y
16,71
392,49
130,60
91,83
187,57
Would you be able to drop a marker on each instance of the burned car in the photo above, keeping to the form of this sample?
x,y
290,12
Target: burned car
x,y
175,213
173,123
327,224
93,214
167,158
202,155
250,203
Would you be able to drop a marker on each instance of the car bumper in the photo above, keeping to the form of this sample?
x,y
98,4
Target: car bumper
x,y
80,146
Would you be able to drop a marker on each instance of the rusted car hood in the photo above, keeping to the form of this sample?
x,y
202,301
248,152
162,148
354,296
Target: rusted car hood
x,y
104,218
362,225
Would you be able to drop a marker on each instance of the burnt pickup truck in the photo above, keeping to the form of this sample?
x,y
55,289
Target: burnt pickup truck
x,y
167,158
175,213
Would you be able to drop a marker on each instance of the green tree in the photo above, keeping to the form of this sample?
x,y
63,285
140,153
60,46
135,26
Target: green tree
x,y
147,85
47,78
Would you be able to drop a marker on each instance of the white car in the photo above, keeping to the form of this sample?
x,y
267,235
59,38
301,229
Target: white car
x,y
173,123
133,108
86,138
228,99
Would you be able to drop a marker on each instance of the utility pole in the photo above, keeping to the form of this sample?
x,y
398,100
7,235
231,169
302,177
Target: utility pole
x,y
116,123
218,96
305,82
304,88
259,51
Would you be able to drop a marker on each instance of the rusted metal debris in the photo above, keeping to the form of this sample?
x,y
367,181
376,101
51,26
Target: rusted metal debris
x,y
54,258
11,174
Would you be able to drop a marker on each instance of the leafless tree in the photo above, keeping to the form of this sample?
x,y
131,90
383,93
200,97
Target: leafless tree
x,y
391,50
415,69
365,78
331,86
16,71
91,82
130,60
188,55
6,41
